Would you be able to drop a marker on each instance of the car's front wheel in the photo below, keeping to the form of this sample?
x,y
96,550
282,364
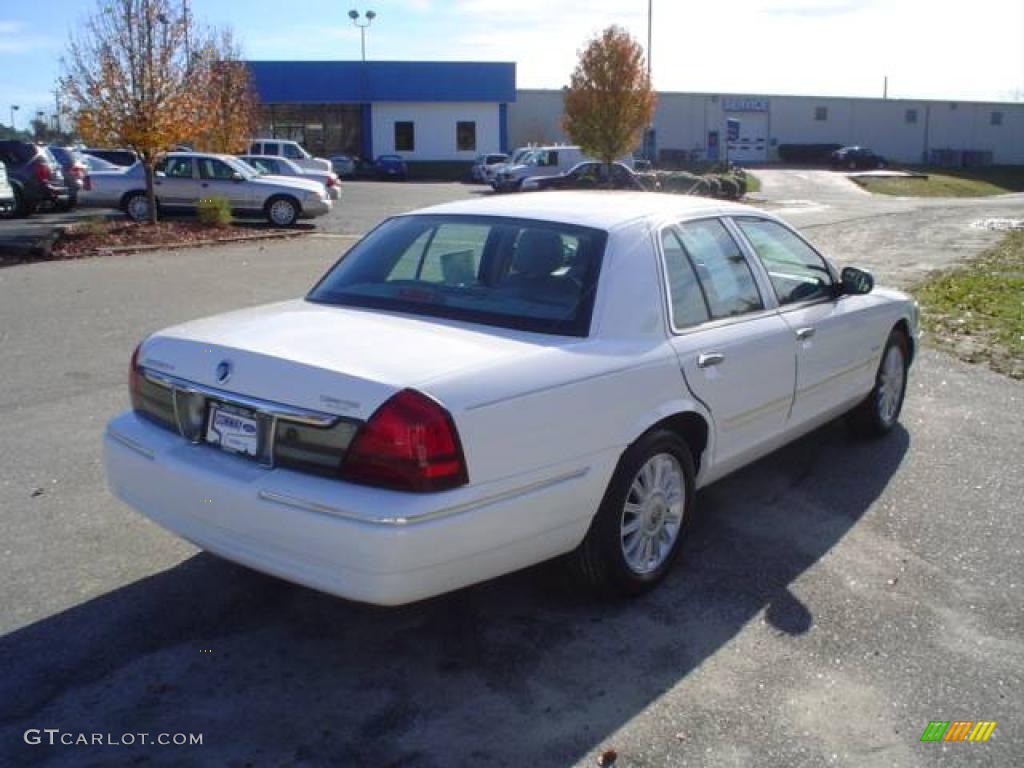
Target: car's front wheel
x,y
878,413
282,211
639,527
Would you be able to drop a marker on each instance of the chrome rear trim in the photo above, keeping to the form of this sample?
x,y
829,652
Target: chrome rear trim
x,y
134,445
266,407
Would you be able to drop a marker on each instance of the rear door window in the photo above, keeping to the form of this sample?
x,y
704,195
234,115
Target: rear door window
x,y
271,148
686,299
721,268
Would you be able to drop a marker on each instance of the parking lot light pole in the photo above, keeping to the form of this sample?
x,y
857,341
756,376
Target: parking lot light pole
x,y
369,16
14,108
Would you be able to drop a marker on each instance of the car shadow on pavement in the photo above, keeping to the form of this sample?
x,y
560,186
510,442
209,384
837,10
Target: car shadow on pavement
x,y
517,671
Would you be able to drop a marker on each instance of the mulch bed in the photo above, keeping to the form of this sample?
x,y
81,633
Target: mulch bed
x,y
92,238
102,237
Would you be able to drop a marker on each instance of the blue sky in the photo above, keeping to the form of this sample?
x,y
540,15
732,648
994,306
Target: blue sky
x,y
952,50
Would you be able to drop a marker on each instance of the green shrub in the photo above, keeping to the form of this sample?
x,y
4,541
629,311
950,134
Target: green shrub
x,y
214,211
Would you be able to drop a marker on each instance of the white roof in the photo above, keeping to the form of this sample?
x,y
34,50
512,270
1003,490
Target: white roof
x,y
600,209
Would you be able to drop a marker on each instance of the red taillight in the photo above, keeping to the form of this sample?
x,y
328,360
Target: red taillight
x,y
331,181
42,171
410,444
78,170
134,379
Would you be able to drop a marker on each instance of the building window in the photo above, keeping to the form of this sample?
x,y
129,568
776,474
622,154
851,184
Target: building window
x,y
997,118
821,113
911,117
405,136
465,136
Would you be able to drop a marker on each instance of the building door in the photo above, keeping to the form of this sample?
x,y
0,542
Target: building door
x,y
752,144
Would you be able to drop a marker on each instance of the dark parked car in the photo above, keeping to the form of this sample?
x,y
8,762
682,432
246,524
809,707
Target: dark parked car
x,y
35,175
857,158
125,157
391,167
587,175
74,167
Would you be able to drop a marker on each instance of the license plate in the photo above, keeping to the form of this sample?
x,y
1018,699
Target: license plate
x,y
233,430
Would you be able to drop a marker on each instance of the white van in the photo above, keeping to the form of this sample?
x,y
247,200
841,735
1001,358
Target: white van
x,y
290,150
542,161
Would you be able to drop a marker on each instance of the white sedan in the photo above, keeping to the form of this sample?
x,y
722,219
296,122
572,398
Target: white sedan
x,y
484,385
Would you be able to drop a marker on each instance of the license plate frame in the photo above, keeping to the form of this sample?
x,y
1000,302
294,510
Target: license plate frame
x,y
233,429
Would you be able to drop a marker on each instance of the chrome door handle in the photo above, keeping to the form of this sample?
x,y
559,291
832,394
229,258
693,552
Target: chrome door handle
x,y
804,333
708,359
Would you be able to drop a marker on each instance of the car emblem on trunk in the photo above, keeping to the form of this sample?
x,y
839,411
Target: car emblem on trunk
x,y
223,371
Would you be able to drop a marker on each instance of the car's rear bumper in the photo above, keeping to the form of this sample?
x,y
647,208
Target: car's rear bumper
x,y
314,208
362,543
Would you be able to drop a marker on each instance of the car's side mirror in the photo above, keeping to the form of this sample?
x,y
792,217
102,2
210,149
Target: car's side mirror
x,y
856,281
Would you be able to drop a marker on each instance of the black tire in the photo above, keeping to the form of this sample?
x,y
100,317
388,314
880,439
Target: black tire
x,y
870,418
130,204
21,207
599,563
276,207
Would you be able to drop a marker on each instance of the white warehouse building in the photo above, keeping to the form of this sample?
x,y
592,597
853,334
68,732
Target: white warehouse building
x,y
692,126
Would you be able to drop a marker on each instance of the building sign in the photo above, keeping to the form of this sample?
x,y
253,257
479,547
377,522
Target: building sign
x,y
744,104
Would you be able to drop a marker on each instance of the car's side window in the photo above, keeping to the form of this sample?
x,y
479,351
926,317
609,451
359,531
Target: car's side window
x,y
179,168
211,168
255,149
796,271
292,152
271,148
689,307
722,270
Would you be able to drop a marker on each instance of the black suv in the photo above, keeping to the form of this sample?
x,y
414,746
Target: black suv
x,y
856,158
35,175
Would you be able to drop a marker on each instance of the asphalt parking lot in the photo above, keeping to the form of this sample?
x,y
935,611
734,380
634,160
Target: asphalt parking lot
x,y
835,597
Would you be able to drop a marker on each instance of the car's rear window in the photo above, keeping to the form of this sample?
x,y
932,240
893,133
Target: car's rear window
x,y
514,273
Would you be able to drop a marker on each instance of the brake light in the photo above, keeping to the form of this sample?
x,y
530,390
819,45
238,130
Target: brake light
x,y
135,380
42,171
331,181
410,443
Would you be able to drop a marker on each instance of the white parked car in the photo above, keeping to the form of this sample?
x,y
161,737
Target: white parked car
x,y
279,166
487,384
290,150
184,178
484,164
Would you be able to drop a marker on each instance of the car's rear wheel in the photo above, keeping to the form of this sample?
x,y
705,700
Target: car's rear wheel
x,y
878,413
282,211
21,206
136,205
639,527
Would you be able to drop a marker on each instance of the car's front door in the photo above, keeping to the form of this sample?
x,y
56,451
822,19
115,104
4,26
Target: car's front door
x,y
176,186
218,179
836,353
735,352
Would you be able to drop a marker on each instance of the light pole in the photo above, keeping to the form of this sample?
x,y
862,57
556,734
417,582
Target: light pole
x,y
369,16
14,108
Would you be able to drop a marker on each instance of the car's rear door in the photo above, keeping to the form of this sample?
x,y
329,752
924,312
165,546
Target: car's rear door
x,y
836,350
734,350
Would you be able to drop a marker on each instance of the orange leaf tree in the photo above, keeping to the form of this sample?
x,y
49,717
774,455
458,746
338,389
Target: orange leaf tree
x,y
130,80
230,97
609,101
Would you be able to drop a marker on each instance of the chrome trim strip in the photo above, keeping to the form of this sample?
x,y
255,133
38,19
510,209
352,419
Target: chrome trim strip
x,y
327,509
276,410
129,443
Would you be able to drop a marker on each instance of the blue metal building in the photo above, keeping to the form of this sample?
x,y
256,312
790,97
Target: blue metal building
x,y
424,111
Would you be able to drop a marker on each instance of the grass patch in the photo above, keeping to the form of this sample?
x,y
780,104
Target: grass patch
x,y
753,183
950,182
977,310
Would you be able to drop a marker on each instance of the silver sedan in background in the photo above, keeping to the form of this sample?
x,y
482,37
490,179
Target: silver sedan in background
x,y
184,178
282,166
